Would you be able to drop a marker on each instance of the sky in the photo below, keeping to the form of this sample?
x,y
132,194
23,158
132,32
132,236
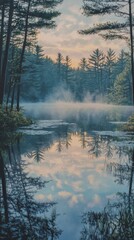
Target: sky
x,y
66,39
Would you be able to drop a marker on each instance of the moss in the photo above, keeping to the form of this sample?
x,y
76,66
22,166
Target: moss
x,y
11,120
129,126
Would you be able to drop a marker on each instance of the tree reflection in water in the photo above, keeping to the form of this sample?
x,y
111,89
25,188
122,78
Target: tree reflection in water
x,y
116,221
21,216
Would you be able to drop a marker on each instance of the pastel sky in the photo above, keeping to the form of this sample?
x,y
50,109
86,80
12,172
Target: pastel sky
x,y
66,39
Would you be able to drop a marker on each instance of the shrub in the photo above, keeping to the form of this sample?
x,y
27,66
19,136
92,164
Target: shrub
x,y
129,126
11,120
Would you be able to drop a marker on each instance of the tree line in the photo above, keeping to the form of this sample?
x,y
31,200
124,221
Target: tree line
x,y
102,76
120,25
19,24
22,216
25,74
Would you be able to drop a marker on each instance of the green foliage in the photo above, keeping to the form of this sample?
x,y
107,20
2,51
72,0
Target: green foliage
x,y
96,76
111,29
114,222
120,93
106,27
23,216
11,120
129,126
20,21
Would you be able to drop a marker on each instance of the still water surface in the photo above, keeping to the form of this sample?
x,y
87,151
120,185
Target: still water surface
x,y
85,159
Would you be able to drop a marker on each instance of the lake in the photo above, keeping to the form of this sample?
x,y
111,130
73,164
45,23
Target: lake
x,y
61,174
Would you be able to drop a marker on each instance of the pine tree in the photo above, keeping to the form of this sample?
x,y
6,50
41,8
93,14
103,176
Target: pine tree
x,y
112,29
67,71
96,61
110,64
83,77
120,92
19,23
59,62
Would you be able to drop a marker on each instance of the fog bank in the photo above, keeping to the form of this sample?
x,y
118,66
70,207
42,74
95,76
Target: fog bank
x,y
74,110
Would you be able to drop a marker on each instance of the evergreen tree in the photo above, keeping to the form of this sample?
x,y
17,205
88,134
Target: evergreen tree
x,y
36,19
83,78
21,215
19,23
110,64
59,62
120,93
96,61
114,29
67,71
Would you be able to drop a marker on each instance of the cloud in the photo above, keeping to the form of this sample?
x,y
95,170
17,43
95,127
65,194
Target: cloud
x,y
77,186
75,178
93,181
95,201
64,194
66,39
75,199
78,42
40,197
59,183
50,197
98,181
75,10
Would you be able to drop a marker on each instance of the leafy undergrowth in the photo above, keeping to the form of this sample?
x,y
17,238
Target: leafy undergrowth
x,y
11,120
129,126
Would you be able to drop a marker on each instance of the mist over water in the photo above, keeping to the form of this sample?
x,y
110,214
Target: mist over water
x,y
75,145
62,110
62,106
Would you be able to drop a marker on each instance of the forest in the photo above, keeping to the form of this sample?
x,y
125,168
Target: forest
x,y
66,133
104,77
27,74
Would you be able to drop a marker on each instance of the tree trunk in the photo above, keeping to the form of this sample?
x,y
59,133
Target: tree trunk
x,y
5,58
22,57
8,92
10,78
1,36
132,175
4,188
13,95
131,45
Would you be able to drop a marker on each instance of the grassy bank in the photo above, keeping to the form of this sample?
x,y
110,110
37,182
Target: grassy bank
x,y
11,120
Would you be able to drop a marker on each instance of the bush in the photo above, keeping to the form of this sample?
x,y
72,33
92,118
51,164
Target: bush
x,y
11,120
129,126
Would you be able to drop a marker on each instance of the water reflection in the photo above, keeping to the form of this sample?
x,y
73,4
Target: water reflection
x,y
116,220
21,216
87,167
